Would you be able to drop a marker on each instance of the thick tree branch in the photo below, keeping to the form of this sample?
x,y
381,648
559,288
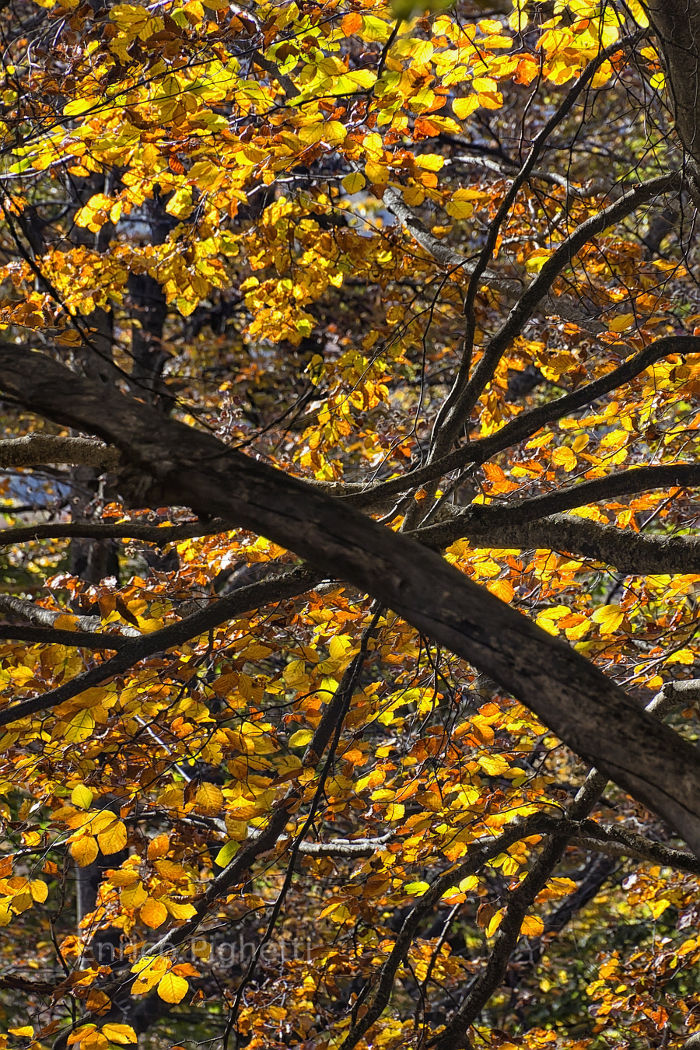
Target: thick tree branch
x,y
676,24
37,450
178,465
627,551
622,483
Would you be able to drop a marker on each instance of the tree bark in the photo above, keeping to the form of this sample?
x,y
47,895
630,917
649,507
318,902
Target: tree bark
x,y
676,24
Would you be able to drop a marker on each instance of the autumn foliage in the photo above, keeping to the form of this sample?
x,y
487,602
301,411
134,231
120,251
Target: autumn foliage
x,y
348,379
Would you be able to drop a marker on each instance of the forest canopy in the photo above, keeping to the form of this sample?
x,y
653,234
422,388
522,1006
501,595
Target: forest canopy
x,y
349,374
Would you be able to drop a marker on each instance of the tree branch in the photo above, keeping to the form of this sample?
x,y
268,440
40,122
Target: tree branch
x,y
36,450
149,533
454,1036
622,483
176,464
629,552
457,405
36,614
479,854
57,636
621,842
243,600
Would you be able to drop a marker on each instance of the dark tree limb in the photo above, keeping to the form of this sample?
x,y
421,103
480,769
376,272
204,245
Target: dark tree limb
x,y
627,551
676,24
176,464
57,636
622,483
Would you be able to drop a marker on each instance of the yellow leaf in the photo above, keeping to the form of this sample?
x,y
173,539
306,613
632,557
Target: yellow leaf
x,y
81,797
84,850
464,107
608,617
26,1029
415,889
39,890
209,799
547,619
153,913
503,589
77,106
682,656
657,907
621,322
494,765
79,728
113,838
430,161
158,847
331,132
172,989
227,853
133,896
556,888
354,182
149,971
494,922
294,674
119,1033
180,204
180,911
339,645
532,926
459,209
578,629
564,457
301,738
395,811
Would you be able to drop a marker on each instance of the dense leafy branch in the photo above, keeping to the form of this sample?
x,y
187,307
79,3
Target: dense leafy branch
x,y
456,411
529,422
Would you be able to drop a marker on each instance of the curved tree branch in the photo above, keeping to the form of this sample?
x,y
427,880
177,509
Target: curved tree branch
x,y
176,464
629,552
37,450
622,483
241,601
